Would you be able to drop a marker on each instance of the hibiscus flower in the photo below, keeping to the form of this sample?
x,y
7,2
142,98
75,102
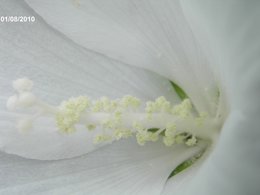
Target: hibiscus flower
x,y
201,60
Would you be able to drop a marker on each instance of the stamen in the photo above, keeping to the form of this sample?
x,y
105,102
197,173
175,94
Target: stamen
x,y
119,118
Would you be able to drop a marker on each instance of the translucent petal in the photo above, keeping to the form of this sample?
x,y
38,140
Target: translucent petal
x,y
121,168
233,30
233,167
232,35
60,69
151,34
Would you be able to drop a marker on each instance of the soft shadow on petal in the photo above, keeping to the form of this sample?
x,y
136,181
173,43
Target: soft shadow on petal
x,y
151,34
60,69
121,168
233,31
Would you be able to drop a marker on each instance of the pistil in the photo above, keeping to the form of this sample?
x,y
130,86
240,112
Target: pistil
x,y
120,118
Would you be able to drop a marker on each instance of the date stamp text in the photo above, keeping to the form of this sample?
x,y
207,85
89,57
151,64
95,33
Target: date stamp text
x,y
17,19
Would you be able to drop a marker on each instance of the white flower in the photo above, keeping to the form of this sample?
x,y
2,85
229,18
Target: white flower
x,y
85,48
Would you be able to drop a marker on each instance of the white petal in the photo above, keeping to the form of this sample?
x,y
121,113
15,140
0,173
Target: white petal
x,y
233,29
60,69
151,34
121,168
233,167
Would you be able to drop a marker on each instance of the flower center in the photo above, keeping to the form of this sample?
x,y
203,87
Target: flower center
x,y
119,118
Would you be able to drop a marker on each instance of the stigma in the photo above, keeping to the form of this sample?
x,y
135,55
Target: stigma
x,y
115,119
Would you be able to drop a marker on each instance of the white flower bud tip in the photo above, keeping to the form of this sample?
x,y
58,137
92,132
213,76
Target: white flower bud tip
x,y
11,103
23,84
26,99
